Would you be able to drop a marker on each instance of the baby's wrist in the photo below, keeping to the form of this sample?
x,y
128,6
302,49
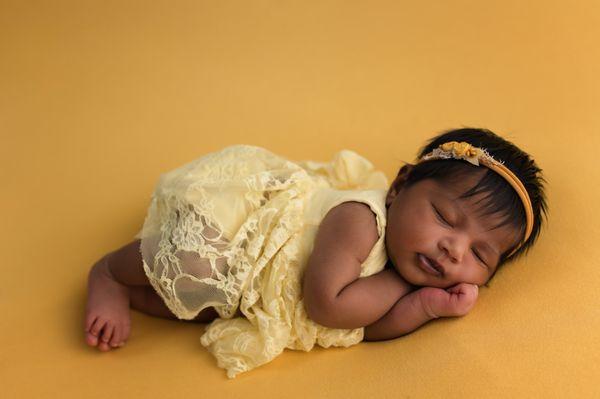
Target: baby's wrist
x,y
430,299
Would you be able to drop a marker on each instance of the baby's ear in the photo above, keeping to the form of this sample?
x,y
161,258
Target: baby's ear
x,y
398,182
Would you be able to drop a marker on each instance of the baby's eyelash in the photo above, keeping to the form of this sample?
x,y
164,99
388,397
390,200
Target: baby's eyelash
x,y
439,215
479,257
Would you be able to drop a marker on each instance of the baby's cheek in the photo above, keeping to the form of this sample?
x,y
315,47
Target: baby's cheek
x,y
479,276
406,231
418,235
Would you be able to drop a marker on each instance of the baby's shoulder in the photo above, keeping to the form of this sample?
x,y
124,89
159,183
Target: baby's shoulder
x,y
353,225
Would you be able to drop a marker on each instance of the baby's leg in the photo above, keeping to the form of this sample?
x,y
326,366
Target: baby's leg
x,y
146,300
116,282
125,266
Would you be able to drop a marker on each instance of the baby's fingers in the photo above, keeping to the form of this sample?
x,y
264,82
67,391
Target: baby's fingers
x,y
463,297
464,288
454,301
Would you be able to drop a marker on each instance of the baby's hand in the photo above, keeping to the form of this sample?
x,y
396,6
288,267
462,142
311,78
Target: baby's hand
x,y
457,300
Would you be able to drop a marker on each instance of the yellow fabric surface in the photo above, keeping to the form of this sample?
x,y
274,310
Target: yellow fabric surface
x,y
234,229
97,99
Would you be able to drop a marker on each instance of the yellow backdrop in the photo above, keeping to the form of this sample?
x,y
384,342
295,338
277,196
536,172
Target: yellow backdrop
x,y
97,98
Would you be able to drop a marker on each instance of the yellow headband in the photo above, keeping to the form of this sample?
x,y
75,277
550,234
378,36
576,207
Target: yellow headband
x,y
476,155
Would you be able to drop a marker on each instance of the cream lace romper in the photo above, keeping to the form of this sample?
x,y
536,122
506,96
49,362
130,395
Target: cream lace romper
x,y
233,229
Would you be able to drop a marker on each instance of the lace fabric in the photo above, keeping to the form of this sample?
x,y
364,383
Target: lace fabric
x,y
233,230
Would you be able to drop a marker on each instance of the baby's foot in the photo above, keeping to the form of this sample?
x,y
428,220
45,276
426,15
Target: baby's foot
x,y
107,318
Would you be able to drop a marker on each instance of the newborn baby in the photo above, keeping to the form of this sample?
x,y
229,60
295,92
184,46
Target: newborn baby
x,y
229,240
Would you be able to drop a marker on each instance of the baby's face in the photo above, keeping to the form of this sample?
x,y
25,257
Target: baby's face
x,y
463,245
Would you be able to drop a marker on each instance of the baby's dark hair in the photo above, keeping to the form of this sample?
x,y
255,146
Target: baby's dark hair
x,y
500,197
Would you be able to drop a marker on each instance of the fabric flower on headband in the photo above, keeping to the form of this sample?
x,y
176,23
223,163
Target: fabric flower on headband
x,y
462,150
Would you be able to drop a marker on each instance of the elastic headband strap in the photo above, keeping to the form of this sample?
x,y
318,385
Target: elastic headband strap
x,y
475,156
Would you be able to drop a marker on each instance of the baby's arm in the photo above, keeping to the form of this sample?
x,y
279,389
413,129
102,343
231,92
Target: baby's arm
x,y
418,307
334,295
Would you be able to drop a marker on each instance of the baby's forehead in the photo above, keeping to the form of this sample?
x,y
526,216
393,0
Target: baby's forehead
x,y
452,190
459,183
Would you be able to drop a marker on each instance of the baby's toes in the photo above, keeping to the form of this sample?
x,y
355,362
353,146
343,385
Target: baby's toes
x,y
126,330
97,327
103,346
90,339
116,337
108,331
89,320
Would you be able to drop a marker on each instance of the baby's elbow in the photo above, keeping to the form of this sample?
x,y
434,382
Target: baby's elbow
x,y
326,314
319,311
